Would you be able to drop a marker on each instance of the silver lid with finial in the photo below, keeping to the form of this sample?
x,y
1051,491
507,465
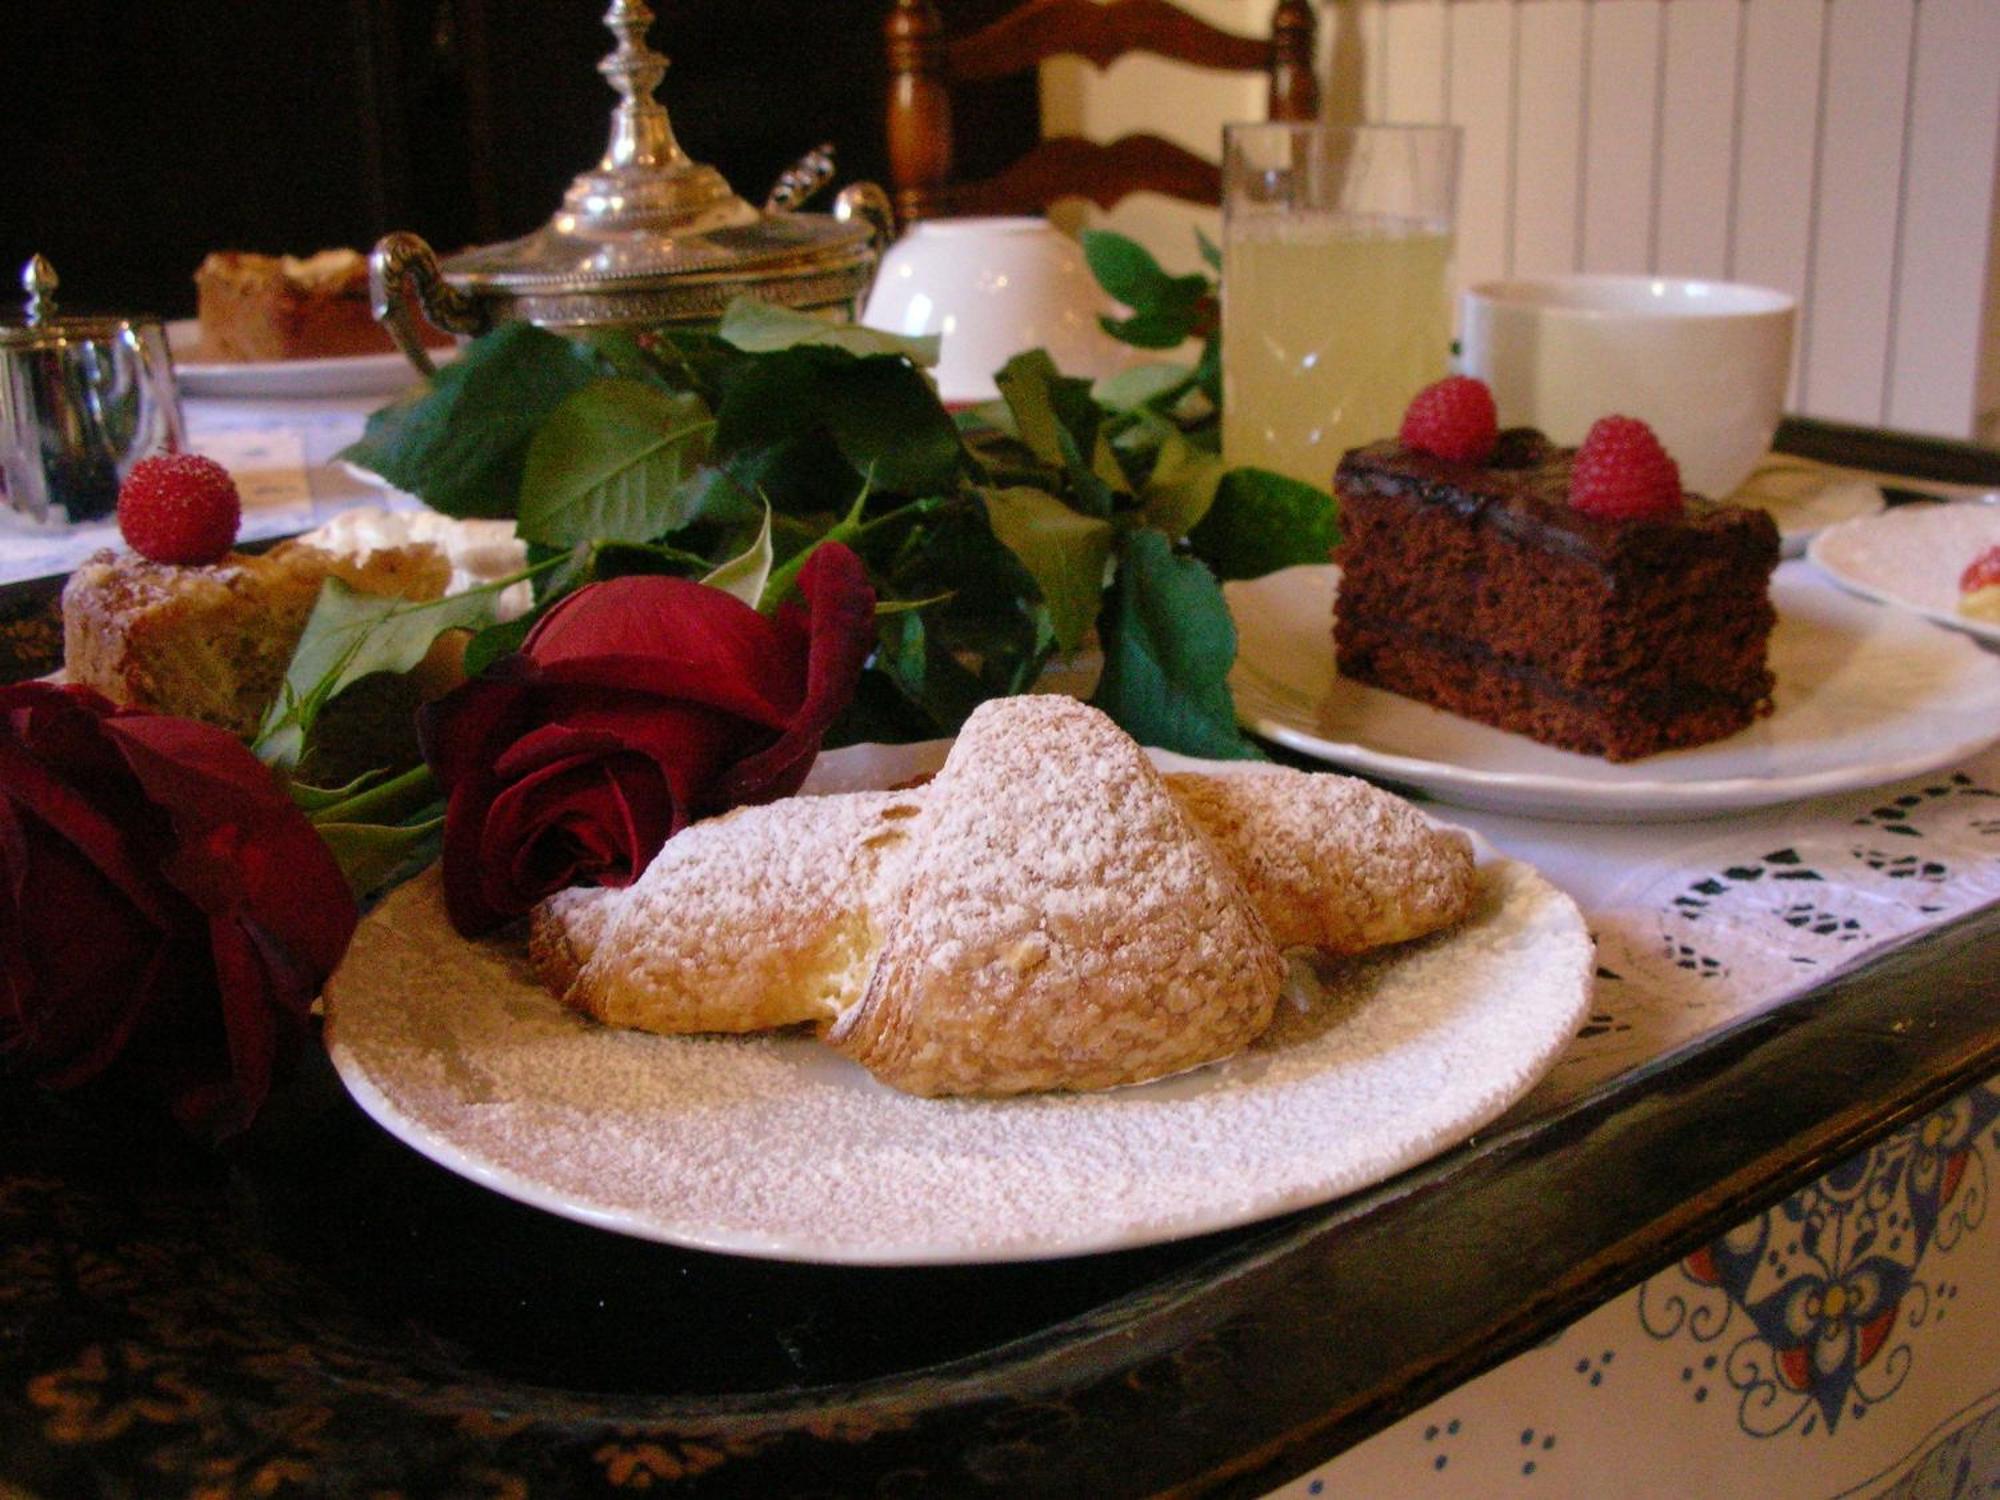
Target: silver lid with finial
x,y
38,323
647,236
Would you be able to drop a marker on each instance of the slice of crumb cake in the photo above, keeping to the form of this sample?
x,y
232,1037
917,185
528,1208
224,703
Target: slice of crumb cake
x,y
212,643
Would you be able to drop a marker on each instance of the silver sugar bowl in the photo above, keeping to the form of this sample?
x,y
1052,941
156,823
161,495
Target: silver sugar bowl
x,y
82,399
648,237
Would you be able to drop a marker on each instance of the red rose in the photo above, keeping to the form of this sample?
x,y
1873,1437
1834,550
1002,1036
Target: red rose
x,y
635,707
166,914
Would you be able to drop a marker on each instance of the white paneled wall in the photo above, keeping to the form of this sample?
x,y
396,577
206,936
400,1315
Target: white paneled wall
x,y
1843,150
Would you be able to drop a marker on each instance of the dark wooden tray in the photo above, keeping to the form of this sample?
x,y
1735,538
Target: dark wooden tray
x,y
322,1302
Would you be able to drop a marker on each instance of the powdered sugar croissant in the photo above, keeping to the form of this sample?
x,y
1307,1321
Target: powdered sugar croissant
x,y
780,914
1058,922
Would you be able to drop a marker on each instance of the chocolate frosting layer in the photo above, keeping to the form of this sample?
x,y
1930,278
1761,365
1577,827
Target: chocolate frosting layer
x,y
1524,492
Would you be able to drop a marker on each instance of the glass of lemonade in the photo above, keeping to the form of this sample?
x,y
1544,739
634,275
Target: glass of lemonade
x,y
1336,294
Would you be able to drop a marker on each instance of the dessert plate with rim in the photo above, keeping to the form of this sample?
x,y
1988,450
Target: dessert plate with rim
x,y
1912,557
341,375
775,1146
1864,696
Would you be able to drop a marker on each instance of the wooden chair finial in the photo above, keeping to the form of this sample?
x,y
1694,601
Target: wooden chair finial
x,y
919,122
1294,76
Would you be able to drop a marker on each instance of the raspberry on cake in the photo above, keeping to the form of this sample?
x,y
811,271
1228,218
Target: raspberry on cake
x,y
1622,472
1483,590
1453,418
179,508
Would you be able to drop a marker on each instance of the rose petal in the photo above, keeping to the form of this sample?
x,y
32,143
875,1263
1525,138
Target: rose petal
x,y
839,628
243,849
598,820
75,817
69,997
672,638
453,731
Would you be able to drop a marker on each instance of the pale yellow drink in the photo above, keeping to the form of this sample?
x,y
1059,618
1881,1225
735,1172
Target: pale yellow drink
x,y
1329,326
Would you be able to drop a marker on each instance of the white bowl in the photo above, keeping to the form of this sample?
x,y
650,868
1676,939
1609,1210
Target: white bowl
x,y
992,288
1704,363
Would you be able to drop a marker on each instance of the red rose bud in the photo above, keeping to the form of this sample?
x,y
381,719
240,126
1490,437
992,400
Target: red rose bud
x,y
635,707
166,914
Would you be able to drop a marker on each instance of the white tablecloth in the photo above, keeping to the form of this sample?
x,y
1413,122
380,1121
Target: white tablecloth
x,y
281,454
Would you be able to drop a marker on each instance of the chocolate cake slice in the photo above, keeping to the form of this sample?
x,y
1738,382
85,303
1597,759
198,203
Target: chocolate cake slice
x,y
1479,590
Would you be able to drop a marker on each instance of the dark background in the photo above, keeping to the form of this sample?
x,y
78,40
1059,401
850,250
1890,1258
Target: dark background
x,y
138,135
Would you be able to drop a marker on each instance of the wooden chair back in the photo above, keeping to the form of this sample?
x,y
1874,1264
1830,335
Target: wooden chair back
x,y
925,64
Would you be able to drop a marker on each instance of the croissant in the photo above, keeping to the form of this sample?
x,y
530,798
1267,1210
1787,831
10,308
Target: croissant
x,y
756,919
791,912
1057,922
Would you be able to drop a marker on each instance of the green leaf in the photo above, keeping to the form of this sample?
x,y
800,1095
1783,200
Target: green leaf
x,y
880,412
1096,485
1045,403
1140,387
372,854
887,419
1064,553
351,635
724,496
761,327
496,641
1063,427
622,559
926,673
310,799
1211,253
743,576
1261,522
1128,271
461,443
610,462
1168,646
1182,486
1166,310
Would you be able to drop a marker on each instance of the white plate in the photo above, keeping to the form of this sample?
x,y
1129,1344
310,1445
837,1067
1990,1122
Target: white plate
x,y
776,1146
1805,497
348,375
1864,696
1913,557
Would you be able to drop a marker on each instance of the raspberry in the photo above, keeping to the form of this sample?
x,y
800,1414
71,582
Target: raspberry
x,y
179,508
1453,418
1622,473
1983,572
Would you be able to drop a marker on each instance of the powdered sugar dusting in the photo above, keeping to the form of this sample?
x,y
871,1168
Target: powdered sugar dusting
x,y
774,1145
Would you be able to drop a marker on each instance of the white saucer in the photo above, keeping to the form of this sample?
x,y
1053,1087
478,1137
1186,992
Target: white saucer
x,y
348,375
1864,696
1913,558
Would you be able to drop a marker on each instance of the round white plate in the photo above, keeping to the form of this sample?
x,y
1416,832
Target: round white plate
x,y
1913,557
776,1146
1864,696
348,375
1805,497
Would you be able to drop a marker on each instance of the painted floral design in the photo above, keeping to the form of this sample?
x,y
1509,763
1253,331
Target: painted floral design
x,y
1825,1292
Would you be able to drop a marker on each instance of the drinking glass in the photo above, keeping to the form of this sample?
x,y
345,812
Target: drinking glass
x,y
1336,300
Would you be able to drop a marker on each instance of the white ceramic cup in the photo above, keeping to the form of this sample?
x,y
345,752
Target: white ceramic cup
x,y
993,288
1704,363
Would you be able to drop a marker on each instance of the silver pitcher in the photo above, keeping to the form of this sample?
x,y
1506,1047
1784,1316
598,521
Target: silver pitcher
x,y
647,237
82,399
